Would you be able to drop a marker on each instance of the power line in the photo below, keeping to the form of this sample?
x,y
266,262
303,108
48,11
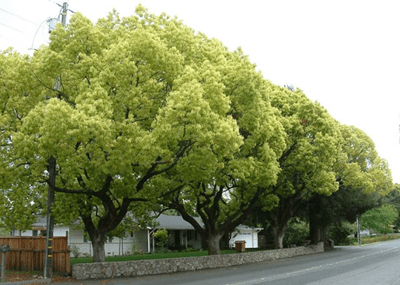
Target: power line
x,y
19,17
7,39
10,41
12,28
37,32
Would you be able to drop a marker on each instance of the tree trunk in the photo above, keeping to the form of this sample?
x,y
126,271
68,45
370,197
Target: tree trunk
x,y
279,234
315,231
315,221
98,238
98,242
213,244
109,221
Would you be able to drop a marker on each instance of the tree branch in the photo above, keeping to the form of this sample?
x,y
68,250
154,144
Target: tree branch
x,y
74,191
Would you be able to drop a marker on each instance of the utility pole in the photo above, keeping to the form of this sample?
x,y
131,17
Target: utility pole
x,y
64,14
358,230
48,266
48,263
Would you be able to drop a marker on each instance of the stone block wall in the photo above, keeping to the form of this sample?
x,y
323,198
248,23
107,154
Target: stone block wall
x,y
162,266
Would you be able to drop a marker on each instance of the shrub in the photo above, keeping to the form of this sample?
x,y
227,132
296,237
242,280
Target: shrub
x,y
162,236
75,251
339,232
296,233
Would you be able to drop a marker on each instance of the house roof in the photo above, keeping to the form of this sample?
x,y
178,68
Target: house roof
x,y
164,221
175,223
243,227
40,222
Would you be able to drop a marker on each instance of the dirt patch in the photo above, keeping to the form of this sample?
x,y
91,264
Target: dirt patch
x,y
18,277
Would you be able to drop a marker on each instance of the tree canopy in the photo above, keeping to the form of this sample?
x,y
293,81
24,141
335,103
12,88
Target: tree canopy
x,y
117,104
312,144
364,178
380,220
141,114
226,196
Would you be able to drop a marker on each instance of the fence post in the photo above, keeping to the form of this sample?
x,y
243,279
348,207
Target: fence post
x,y
3,265
3,249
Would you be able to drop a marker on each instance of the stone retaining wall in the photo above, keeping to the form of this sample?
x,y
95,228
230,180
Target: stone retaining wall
x,y
162,266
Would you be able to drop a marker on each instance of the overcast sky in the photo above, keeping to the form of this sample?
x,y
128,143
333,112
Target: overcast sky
x,y
343,54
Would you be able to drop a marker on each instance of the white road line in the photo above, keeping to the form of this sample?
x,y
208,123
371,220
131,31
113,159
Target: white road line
x,y
308,270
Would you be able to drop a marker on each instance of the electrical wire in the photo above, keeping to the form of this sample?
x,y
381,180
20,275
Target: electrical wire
x,y
33,41
12,28
10,41
19,17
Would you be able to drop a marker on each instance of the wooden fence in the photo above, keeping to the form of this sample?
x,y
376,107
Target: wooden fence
x,y
28,253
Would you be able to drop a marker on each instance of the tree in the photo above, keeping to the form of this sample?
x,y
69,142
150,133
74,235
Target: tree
x,y
380,219
364,178
18,200
312,145
225,197
393,198
129,107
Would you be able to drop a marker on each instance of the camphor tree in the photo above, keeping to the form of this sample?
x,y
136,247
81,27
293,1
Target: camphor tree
x,y
224,197
18,199
131,104
312,145
364,178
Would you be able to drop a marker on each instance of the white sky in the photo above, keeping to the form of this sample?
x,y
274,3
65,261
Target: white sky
x,y
344,54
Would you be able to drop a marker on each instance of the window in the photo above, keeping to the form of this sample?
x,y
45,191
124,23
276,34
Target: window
x,y
85,236
110,239
192,235
34,233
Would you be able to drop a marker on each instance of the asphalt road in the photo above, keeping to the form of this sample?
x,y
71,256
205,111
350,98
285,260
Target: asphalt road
x,y
369,264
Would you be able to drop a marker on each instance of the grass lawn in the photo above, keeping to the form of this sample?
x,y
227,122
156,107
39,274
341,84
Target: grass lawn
x,y
372,239
154,256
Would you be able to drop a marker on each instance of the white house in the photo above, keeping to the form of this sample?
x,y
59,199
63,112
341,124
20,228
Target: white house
x,y
181,235
135,241
247,234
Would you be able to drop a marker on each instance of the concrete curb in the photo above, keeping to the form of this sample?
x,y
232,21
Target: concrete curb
x,y
31,281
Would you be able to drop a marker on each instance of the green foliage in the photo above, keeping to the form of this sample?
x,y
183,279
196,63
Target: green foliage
x,y
364,179
4,232
75,251
129,224
380,219
339,232
393,198
162,237
142,111
136,248
312,145
372,239
296,233
136,98
360,167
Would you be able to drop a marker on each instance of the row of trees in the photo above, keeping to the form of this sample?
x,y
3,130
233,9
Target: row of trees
x,y
142,114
